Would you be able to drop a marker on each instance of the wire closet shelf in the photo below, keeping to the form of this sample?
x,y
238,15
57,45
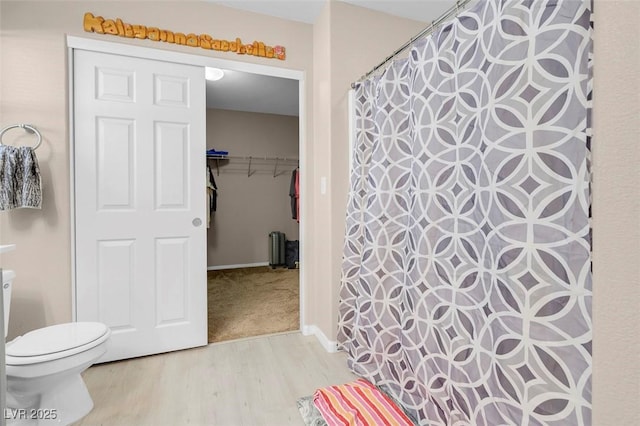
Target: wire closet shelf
x,y
255,164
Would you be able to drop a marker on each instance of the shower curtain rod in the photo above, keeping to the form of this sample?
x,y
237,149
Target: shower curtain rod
x,y
452,12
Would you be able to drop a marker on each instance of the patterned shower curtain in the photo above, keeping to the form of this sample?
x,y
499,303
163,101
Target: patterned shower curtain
x,y
466,284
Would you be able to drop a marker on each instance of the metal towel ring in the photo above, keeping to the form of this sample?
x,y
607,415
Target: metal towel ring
x,y
29,128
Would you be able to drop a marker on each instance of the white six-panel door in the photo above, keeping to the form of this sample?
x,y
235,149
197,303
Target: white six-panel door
x,y
140,199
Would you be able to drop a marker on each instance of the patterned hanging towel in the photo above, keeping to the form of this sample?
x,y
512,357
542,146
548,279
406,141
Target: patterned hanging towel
x,y
20,184
358,403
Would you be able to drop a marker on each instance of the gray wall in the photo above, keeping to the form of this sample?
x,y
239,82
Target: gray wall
x,y
250,207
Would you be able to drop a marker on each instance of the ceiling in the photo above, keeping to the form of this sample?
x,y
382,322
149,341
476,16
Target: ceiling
x,y
308,10
243,91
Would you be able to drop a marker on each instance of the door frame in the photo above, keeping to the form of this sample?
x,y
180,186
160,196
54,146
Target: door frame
x,y
82,43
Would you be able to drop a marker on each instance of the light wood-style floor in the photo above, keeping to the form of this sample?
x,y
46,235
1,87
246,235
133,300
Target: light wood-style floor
x,y
251,382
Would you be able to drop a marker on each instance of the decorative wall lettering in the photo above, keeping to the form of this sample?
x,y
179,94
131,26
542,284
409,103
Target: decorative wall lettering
x,y
117,27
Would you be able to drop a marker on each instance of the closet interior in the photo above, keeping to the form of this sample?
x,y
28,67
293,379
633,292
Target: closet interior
x,y
252,165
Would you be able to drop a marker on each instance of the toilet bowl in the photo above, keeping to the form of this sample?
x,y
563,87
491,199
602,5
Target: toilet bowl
x,y
43,367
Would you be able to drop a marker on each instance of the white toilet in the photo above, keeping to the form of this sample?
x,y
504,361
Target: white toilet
x,y
44,386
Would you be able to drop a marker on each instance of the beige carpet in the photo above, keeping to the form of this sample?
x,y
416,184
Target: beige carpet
x,y
250,302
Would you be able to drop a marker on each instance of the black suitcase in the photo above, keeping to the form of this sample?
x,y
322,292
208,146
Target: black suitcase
x,y
276,249
292,254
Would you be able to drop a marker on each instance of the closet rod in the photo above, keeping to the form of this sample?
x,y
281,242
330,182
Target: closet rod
x,y
452,12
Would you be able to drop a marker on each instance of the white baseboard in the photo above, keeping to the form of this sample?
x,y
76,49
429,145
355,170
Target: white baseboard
x,y
330,346
243,265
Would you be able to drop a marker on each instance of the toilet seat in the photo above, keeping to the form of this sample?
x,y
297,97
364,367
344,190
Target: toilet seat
x,y
55,342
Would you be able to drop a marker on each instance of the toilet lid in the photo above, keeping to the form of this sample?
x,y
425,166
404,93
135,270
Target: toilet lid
x,y
56,338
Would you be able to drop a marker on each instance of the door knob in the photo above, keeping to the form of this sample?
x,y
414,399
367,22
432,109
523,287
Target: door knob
x,y
197,222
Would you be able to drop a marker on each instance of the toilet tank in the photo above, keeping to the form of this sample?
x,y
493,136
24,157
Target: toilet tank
x,y
7,283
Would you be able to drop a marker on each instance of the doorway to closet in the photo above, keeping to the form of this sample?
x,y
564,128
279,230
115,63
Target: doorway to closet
x,y
253,154
123,310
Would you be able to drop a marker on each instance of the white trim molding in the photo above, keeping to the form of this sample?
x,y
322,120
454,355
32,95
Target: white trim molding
x,y
124,49
330,346
119,48
237,266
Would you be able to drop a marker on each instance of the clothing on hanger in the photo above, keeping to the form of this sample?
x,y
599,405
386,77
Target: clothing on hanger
x,y
294,193
212,196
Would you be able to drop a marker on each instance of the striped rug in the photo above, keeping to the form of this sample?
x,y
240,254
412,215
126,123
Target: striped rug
x,y
358,403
